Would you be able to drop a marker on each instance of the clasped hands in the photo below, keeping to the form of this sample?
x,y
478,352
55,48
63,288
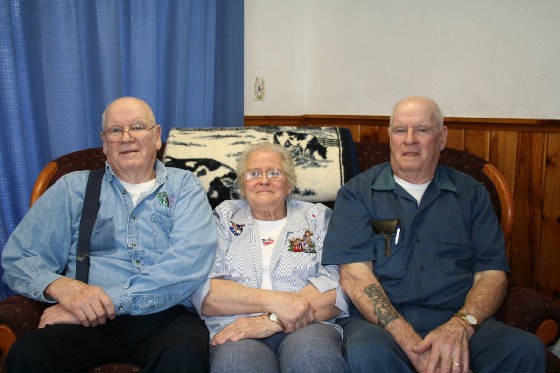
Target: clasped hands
x,y
444,350
292,309
78,303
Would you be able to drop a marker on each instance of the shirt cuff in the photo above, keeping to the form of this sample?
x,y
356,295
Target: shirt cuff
x,y
197,298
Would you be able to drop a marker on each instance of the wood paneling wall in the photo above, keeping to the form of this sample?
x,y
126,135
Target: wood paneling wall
x,y
526,151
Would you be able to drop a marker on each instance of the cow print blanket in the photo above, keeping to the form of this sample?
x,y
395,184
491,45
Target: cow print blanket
x,y
324,157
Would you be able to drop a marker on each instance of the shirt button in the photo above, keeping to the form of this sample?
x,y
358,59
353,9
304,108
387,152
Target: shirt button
x,y
133,217
137,262
121,308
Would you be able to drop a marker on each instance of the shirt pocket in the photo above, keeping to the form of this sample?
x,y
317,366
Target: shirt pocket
x,y
392,266
161,228
103,237
454,251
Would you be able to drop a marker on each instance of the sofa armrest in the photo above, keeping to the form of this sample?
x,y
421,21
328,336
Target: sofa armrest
x,y
532,311
20,314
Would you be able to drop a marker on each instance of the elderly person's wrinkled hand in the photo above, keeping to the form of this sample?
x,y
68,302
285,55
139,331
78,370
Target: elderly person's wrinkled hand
x,y
247,327
89,304
447,348
294,311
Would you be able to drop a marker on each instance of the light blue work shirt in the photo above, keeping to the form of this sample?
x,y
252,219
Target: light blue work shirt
x,y
147,257
239,255
442,242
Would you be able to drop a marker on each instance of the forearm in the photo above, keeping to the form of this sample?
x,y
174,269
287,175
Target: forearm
x,y
486,295
231,298
322,303
365,291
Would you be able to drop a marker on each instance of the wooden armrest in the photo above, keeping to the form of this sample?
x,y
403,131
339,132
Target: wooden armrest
x,y
7,338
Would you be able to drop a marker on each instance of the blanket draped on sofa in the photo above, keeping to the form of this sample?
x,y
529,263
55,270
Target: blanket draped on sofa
x,y
324,157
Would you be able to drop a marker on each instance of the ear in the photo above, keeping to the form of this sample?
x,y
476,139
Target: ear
x,y
104,144
158,137
443,139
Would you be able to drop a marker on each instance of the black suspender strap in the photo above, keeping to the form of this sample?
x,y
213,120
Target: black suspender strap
x,y
87,221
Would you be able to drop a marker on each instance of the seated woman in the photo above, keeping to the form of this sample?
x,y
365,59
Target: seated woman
x,y
270,304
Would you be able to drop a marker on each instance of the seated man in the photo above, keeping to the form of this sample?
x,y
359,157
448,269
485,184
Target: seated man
x,y
152,246
422,258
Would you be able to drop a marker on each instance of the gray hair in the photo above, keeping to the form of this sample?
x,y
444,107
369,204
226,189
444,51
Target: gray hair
x,y
287,162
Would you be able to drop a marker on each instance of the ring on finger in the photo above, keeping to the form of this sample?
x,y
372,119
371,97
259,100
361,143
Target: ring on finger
x,y
457,364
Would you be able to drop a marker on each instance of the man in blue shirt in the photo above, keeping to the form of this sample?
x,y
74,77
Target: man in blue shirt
x,y
152,246
422,258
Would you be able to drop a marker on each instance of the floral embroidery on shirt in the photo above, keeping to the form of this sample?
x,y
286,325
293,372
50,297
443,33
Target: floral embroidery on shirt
x,y
304,244
236,229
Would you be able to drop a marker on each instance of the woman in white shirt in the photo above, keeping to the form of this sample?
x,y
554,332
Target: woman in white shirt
x,y
269,303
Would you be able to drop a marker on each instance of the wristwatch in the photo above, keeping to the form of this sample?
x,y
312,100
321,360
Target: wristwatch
x,y
275,319
468,318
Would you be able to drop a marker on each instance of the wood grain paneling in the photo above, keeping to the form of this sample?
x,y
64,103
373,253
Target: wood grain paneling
x,y
526,151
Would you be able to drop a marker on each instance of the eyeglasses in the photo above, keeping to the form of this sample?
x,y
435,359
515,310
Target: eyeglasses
x,y
115,134
271,173
417,131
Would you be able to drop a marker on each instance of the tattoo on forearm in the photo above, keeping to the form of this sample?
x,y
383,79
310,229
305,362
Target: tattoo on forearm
x,y
381,307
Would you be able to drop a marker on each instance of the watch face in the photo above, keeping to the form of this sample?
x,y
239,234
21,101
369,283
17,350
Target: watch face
x,y
471,319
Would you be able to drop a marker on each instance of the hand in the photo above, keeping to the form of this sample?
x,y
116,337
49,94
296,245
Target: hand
x,y
246,327
447,347
57,315
89,304
293,310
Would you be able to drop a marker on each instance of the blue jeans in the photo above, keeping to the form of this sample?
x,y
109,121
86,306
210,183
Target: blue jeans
x,y
494,347
313,348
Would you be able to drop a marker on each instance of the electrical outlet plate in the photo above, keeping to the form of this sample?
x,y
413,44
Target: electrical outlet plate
x,y
259,89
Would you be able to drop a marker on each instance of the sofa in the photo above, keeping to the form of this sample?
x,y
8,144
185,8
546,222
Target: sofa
x,y
523,307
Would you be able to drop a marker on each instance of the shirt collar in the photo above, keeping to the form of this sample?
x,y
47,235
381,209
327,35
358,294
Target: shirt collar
x,y
386,181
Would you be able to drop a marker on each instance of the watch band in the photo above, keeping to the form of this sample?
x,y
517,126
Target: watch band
x,y
468,319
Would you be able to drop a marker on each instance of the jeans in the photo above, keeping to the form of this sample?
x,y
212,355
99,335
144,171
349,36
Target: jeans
x,y
495,347
173,340
313,348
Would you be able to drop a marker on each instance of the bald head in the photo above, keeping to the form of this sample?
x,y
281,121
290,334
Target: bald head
x,y
431,105
129,101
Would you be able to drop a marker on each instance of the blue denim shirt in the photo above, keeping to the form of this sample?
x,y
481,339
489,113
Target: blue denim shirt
x,y
443,242
147,257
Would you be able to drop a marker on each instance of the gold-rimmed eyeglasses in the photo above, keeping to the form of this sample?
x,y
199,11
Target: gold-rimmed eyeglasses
x,y
115,134
271,173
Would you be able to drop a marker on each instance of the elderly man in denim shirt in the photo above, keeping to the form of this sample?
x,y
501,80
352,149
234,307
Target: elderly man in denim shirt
x,y
152,246
422,258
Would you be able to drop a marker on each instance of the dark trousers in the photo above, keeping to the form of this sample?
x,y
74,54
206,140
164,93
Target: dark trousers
x,y
174,340
494,348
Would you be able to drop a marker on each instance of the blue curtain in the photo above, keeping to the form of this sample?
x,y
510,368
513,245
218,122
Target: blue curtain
x,y
63,61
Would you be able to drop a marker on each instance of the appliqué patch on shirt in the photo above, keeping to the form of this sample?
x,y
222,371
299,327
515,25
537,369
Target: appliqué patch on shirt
x,y
304,244
163,199
236,229
267,241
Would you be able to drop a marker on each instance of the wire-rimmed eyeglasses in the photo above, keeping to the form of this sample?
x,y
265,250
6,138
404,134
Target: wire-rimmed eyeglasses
x,y
115,134
271,173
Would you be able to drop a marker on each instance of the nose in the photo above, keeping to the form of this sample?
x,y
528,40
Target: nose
x,y
130,137
264,179
410,136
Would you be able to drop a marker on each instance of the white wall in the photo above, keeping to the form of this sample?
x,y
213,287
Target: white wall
x,y
477,58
